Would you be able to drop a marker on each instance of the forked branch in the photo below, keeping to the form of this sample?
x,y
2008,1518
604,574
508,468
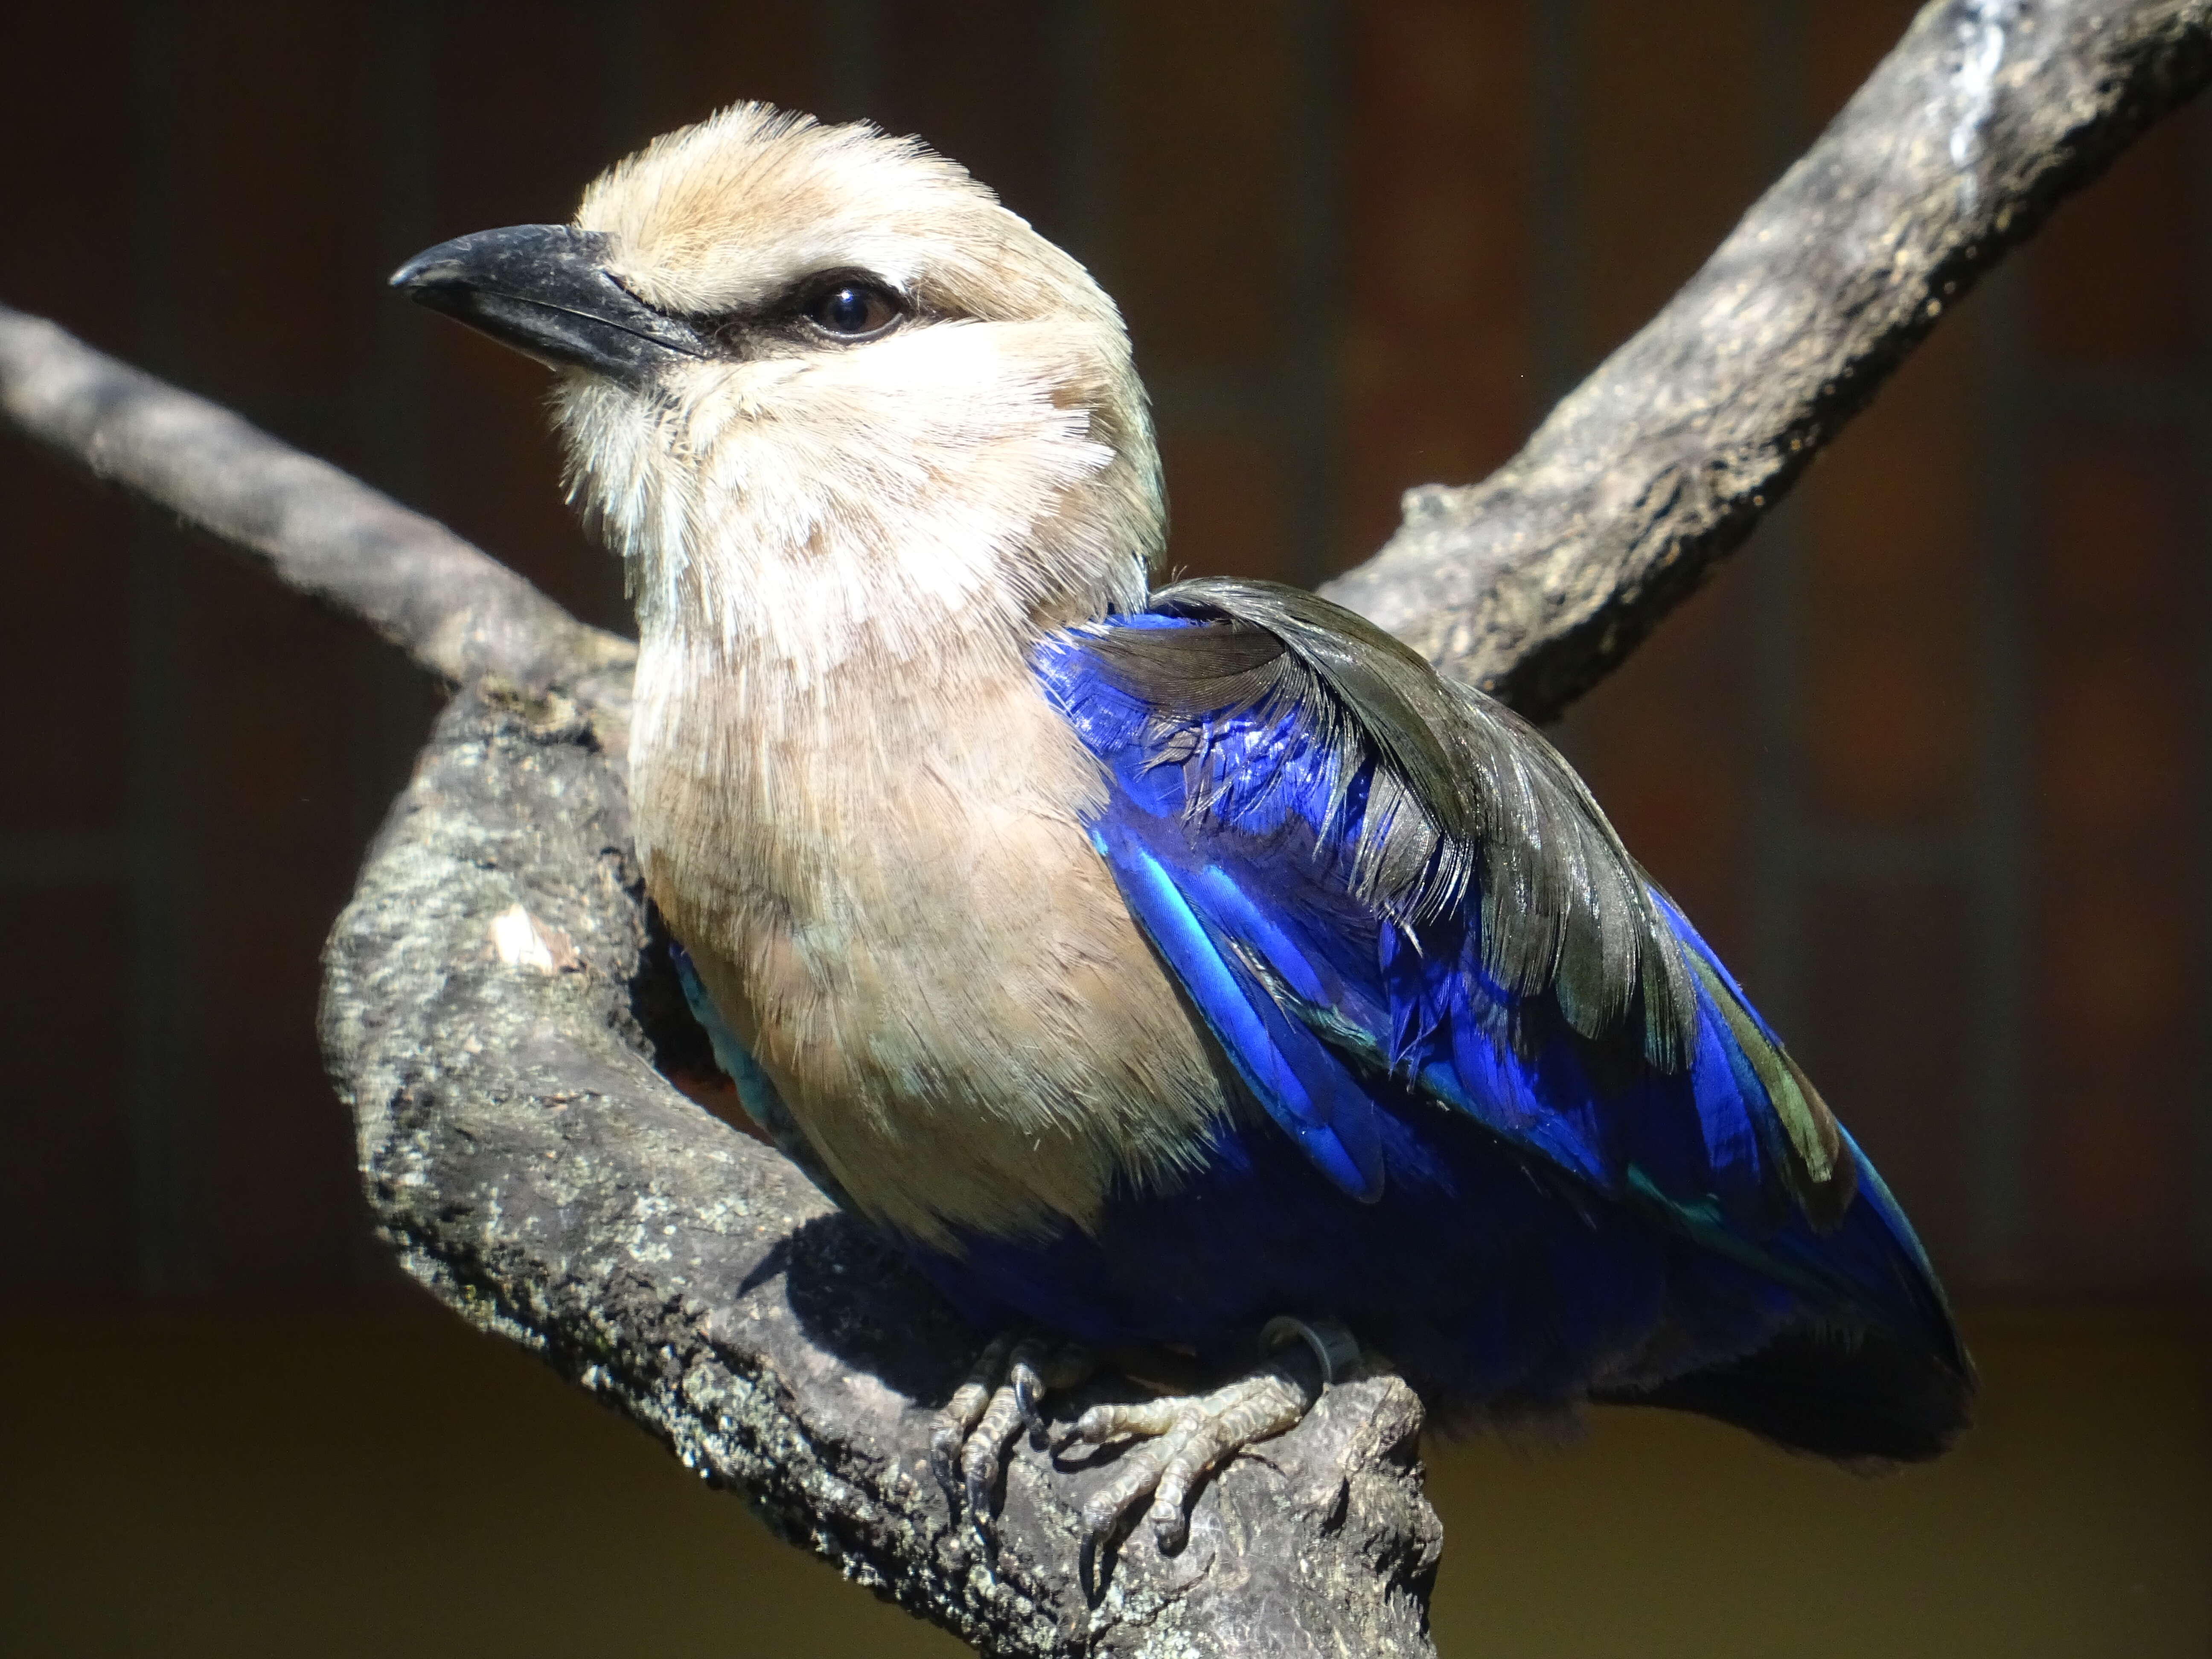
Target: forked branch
x,y
497,1003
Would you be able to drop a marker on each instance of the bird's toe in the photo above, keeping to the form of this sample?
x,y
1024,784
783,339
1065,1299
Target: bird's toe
x,y
1002,1396
1182,1438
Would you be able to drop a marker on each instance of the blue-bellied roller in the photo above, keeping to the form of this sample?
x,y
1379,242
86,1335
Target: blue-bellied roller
x,y
1187,968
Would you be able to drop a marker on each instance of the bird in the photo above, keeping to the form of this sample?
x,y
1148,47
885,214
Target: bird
x,y
1182,967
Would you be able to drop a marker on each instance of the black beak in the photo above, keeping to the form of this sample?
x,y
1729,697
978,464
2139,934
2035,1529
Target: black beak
x,y
545,290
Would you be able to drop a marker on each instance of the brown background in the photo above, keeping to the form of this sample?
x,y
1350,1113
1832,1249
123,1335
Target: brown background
x,y
1930,763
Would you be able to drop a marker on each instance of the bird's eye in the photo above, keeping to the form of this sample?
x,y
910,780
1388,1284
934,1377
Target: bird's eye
x,y
854,310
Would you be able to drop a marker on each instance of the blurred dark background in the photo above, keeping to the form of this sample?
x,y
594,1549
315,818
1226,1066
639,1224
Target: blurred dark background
x,y
1931,762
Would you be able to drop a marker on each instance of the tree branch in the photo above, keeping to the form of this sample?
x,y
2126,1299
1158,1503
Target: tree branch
x,y
496,1002
492,996
457,611
1540,580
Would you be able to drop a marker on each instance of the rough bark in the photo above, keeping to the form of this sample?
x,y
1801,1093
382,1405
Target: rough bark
x,y
1539,580
499,1013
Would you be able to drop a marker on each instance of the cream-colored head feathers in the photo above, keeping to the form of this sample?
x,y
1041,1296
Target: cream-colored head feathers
x,y
986,462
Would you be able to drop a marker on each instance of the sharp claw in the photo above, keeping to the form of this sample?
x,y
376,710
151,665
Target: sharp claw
x,y
1100,1522
978,1489
979,1473
1086,1566
945,1463
1170,1528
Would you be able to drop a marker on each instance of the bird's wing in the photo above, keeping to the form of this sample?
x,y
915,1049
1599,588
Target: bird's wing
x,y
1370,880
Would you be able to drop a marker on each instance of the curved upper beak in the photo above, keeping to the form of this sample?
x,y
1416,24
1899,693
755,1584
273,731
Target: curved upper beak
x,y
545,290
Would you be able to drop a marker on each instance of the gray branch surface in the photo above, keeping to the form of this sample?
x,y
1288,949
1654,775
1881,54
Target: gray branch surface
x,y
499,1015
453,608
1540,579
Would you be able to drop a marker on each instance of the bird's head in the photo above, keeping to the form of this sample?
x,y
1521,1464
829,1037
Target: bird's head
x,y
816,379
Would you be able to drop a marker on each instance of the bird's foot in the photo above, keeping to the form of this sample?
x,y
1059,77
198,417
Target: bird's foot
x,y
1182,1436
999,1399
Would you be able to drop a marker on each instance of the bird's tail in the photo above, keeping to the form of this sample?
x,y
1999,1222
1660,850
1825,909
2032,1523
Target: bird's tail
x,y
1880,1376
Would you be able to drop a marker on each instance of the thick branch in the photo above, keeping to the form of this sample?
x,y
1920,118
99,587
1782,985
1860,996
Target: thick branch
x,y
492,994
1539,580
494,999
455,610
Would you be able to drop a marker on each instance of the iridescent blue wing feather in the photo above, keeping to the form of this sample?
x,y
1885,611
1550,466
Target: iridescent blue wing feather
x,y
1364,875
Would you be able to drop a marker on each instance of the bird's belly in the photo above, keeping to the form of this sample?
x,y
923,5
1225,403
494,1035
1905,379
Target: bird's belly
x,y
987,1044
